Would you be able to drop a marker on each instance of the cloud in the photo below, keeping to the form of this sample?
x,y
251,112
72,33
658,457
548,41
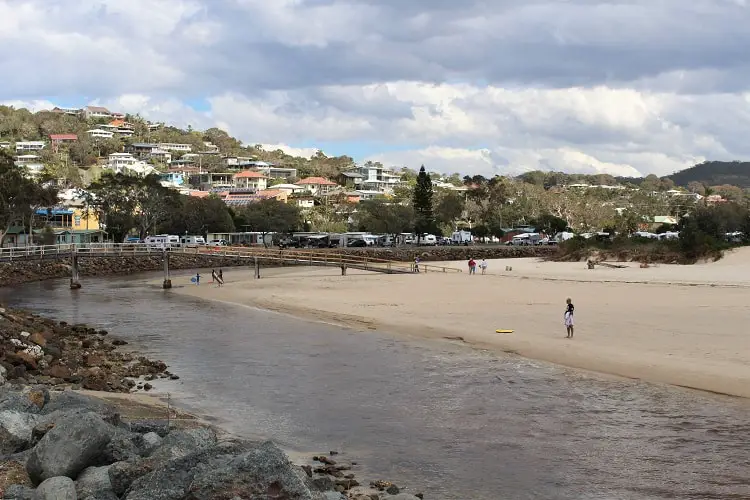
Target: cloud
x,y
302,152
619,86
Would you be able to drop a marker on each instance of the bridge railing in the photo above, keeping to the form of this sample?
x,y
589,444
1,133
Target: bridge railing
x,y
300,256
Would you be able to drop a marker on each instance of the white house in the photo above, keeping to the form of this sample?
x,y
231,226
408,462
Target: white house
x,y
250,179
98,133
171,146
96,112
121,163
376,177
30,145
289,188
317,185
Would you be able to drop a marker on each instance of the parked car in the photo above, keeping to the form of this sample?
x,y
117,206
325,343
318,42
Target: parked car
x,y
217,243
357,243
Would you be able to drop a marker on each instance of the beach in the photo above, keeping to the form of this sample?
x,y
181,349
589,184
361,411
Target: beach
x,y
679,325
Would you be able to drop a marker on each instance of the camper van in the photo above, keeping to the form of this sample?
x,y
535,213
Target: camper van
x,y
461,237
192,241
162,241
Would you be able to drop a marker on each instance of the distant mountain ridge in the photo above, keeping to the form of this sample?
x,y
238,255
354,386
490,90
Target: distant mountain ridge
x,y
715,173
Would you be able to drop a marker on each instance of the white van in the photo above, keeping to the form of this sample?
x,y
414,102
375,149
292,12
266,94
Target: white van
x,y
162,241
461,237
192,241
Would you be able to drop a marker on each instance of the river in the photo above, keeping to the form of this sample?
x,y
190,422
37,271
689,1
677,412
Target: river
x,y
441,418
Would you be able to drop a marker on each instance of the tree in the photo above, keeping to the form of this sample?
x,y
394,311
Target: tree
x,y
449,207
200,216
550,224
271,216
697,188
379,216
19,195
424,220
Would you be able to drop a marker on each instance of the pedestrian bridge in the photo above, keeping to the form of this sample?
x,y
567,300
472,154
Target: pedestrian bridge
x,y
255,255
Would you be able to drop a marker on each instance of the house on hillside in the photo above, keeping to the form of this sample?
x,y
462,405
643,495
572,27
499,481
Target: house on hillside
x,y
211,181
32,164
250,179
351,179
90,112
30,146
98,133
317,186
57,140
121,163
274,171
376,177
173,146
67,111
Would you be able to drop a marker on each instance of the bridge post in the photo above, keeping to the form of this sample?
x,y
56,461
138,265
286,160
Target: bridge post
x,y
75,282
167,284
343,269
257,267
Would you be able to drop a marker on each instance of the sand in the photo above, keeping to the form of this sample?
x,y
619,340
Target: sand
x,y
680,325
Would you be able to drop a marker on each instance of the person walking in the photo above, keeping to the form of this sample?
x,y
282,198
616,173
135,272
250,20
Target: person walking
x,y
569,317
483,266
416,264
221,275
472,266
197,278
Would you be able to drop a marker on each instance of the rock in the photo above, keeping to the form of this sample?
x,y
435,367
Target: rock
x,y
159,427
59,371
25,334
147,387
152,480
263,472
392,490
3,375
178,444
38,339
29,400
75,443
122,474
150,442
323,483
94,481
123,446
21,358
335,495
19,492
16,431
56,488
403,496
94,359
67,401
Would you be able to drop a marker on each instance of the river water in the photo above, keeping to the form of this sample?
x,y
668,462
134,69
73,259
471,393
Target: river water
x,y
441,418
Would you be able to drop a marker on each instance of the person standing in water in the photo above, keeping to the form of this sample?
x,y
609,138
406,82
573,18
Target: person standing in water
x,y
569,318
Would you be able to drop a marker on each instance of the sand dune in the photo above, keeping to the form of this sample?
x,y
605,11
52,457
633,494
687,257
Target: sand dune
x,y
681,325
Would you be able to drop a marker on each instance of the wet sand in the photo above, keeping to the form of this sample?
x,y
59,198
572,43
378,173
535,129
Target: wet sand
x,y
680,325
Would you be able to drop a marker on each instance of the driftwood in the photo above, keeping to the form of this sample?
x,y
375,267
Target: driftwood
x,y
591,265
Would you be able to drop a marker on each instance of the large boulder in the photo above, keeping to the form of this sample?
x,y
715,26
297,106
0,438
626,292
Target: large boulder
x,y
28,400
263,472
75,443
178,444
170,480
94,482
16,431
56,488
160,427
69,401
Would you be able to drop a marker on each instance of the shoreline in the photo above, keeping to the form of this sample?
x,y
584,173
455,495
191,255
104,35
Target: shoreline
x,y
642,348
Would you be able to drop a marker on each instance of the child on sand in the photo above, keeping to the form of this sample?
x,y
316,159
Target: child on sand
x,y
569,318
483,265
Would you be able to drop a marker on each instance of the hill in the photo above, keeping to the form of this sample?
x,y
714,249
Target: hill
x,y
715,173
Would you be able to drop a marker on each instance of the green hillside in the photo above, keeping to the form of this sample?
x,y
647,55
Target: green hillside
x,y
715,173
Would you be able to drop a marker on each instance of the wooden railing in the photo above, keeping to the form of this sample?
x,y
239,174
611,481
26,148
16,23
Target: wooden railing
x,y
291,256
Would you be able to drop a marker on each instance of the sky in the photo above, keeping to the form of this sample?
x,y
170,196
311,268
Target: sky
x,y
473,86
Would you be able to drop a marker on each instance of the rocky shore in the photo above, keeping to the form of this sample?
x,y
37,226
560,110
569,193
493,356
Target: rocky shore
x,y
36,350
69,446
57,444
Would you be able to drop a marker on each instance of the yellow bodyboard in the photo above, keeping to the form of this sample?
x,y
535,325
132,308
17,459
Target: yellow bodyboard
x,y
503,331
